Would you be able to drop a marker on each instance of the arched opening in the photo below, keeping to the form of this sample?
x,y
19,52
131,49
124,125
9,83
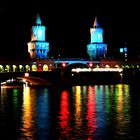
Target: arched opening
x,y
117,66
122,66
107,66
27,68
14,68
1,68
132,66
137,66
8,68
34,68
127,66
45,67
97,66
21,68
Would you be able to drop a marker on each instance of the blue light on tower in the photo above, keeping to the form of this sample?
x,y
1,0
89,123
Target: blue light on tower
x,y
96,35
96,49
38,47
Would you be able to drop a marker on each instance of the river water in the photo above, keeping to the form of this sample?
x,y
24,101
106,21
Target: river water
x,y
94,112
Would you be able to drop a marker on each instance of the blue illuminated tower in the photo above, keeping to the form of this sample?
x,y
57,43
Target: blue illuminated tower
x,y
38,47
96,49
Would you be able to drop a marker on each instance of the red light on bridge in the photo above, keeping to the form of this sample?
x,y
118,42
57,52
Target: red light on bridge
x,y
63,64
91,64
26,74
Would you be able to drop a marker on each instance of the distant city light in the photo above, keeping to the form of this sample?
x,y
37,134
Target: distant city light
x,y
125,49
121,50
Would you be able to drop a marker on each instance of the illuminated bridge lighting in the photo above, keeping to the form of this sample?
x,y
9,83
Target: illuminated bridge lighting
x,y
97,70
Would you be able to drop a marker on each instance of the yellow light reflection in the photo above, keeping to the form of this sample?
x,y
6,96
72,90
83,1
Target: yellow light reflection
x,y
120,99
78,105
3,98
27,119
120,109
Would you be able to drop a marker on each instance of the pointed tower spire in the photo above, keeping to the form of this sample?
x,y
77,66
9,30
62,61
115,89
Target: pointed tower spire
x,y
96,24
38,20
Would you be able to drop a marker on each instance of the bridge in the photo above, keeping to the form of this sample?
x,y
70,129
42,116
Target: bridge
x,y
76,75
56,69
50,64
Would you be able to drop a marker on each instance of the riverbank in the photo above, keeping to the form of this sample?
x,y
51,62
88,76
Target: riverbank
x,y
59,76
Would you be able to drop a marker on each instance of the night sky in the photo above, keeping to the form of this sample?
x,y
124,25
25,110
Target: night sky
x,y
67,26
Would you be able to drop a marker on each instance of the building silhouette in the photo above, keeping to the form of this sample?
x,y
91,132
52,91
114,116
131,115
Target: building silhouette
x,y
38,48
96,49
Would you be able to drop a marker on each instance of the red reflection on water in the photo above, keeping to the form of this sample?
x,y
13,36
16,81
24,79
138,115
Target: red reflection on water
x,y
64,115
91,116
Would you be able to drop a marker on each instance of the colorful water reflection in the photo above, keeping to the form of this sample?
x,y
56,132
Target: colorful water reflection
x,y
84,112
78,107
94,110
27,118
122,109
36,117
91,113
64,117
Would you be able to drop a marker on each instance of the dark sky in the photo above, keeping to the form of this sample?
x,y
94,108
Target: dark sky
x,y
67,26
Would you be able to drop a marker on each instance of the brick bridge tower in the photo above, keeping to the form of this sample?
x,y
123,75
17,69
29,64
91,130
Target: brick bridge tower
x,y
38,47
96,49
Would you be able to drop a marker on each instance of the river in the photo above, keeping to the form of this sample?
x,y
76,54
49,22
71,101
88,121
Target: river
x,y
93,112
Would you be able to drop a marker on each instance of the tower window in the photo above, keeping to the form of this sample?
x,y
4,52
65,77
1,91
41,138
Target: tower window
x,y
39,32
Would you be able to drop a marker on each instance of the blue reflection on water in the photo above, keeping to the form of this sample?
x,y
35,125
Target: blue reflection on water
x,y
78,112
36,117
